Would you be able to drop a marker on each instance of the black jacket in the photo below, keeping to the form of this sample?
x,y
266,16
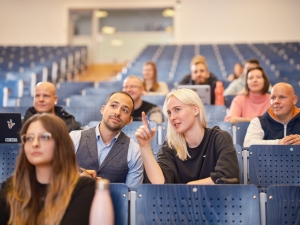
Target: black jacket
x,y
69,119
211,82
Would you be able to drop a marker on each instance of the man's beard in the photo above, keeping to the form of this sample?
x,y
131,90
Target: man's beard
x,y
113,127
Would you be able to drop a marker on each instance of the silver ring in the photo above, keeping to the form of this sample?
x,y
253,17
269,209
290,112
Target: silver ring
x,y
298,135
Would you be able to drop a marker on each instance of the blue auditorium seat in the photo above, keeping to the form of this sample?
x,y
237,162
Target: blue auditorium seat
x,y
241,130
8,156
29,81
228,99
101,91
86,101
65,89
215,112
131,128
274,164
84,115
197,204
15,87
25,101
3,96
223,126
155,99
238,149
283,204
120,197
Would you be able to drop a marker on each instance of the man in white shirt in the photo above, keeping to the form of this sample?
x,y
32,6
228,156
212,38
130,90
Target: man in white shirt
x,y
280,124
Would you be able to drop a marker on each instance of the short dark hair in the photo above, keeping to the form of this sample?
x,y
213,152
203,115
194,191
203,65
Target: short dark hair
x,y
121,92
265,77
253,61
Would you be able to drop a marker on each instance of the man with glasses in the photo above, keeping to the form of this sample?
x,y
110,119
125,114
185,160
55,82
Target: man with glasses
x,y
134,86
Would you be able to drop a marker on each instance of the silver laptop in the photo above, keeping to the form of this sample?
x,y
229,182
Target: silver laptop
x,y
10,125
202,90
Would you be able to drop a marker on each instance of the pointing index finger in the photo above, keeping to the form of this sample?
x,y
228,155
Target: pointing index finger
x,y
144,120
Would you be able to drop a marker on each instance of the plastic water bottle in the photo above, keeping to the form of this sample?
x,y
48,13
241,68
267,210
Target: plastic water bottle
x,y
102,210
219,90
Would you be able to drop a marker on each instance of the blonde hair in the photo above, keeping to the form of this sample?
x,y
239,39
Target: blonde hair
x,y
175,140
198,59
25,194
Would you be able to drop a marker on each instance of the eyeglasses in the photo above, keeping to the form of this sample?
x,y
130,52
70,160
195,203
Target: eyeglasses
x,y
131,87
42,137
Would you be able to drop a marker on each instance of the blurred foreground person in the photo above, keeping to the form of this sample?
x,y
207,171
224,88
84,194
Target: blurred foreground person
x,y
46,187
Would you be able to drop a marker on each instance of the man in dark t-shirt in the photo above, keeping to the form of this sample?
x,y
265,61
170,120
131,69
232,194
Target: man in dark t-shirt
x,y
134,86
201,75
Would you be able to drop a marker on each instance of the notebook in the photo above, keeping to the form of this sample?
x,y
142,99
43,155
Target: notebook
x,y
10,125
202,90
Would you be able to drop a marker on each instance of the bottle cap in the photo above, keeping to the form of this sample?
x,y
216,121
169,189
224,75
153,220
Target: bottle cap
x,y
219,84
102,184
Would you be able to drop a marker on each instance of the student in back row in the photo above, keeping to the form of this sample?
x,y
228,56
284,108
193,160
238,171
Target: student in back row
x,y
150,83
200,75
237,86
256,100
280,125
45,100
134,87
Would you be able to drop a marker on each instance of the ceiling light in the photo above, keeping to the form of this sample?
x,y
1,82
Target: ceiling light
x,y
108,30
168,13
101,14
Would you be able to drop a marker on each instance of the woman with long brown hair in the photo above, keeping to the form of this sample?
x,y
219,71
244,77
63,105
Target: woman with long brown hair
x,y
150,83
46,188
255,102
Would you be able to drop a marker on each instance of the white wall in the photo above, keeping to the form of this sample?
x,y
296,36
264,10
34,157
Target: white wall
x,y
45,22
219,21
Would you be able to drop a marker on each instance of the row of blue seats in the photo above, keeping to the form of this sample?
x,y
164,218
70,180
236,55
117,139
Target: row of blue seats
x,y
220,60
41,64
217,204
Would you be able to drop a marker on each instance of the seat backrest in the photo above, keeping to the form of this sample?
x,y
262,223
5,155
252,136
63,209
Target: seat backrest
x,y
197,204
120,197
65,89
162,132
3,96
25,101
130,130
274,164
84,115
155,99
215,112
241,130
8,156
238,149
227,126
85,101
228,99
101,91
283,204
15,87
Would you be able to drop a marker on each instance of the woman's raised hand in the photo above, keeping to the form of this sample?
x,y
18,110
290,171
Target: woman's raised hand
x,y
143,134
